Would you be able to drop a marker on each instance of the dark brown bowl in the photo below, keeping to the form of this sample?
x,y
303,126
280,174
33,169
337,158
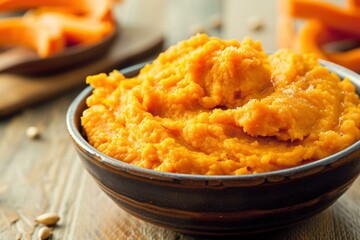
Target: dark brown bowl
x,y
219,205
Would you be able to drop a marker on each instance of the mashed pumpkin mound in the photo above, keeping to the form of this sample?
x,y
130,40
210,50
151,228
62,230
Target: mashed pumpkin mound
x,y
216,107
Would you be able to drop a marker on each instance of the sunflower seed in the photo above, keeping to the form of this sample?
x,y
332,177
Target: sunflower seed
x,y
255,23
48,218
44,233
32,132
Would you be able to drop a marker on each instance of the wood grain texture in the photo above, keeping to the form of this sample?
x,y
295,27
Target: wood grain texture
x,y
46,175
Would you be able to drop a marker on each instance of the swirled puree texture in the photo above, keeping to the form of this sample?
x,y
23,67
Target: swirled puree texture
x,y
210,106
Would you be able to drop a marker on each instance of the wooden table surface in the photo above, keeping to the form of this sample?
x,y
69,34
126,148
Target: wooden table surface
x,y
46,175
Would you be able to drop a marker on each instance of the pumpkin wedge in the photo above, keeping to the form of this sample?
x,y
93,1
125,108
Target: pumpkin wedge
x,y
314,34
46,38
331,15
98,9
76,29
353,5
285,27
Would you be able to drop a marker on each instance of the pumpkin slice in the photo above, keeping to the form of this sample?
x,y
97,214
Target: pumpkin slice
x,y
314,34
332,15
76,29
349,59
45,38
98,9
285,27
353,5
14,5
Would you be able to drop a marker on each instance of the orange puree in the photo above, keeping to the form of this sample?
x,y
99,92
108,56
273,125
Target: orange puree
x,y
210,106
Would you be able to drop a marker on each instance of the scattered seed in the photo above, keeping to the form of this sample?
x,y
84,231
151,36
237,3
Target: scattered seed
x,y
255,23
18,236
44,233
48,218
32,132
196,28
215,22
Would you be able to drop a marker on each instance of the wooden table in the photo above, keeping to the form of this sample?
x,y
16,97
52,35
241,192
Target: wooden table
x,y
46,175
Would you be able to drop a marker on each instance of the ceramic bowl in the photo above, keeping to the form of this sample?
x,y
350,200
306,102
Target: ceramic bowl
x,y
219,205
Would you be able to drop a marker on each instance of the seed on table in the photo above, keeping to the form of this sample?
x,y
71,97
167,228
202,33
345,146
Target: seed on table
x,y
48,218
255,23
18,236
44,233
215,22
32,132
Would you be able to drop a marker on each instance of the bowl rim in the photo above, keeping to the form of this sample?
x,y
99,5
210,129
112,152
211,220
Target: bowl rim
x,y
150,173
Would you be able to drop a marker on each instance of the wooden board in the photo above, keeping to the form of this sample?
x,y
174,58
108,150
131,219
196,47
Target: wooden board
x,y
133,43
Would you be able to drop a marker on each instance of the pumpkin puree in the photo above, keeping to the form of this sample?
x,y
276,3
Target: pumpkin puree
x,y
215,107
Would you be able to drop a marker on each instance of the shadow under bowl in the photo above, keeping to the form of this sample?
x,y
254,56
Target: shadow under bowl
x,y
219,205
